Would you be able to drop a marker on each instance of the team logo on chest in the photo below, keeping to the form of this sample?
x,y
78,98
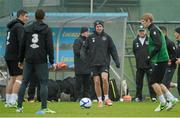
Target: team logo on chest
x,y
137,45
174,48
104,38
93,39
34,41
154,33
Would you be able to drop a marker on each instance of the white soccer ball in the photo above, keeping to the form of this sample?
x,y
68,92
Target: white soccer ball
x,y
85,103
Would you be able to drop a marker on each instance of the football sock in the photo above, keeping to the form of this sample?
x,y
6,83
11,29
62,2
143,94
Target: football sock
x,y
169,95
162,99
8,97
14,97
100,99
106,97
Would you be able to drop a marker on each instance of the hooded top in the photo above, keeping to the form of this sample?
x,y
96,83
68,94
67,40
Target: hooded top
x,y
14,37
100,48
37,44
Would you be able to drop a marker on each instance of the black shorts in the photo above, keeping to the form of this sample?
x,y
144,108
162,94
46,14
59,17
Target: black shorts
x,y
14,70
97,70
158,71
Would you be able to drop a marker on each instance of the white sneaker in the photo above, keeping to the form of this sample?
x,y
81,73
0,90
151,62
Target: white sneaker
x,y
153,99
160,107
6,105
137,100
13,105
171,104
19,110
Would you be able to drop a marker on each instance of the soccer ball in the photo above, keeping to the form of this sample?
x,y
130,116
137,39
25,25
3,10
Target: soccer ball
x,y
85,103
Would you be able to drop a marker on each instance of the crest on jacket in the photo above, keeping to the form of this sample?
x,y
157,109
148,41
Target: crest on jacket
x,y
104,38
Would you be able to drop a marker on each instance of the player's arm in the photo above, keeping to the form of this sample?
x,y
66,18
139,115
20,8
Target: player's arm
x,y
156,37
21,53
19,33
134,50
77,47
172,49
113,52
50,47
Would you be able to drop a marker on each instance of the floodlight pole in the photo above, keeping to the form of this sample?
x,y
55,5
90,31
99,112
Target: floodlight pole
x,y
91,6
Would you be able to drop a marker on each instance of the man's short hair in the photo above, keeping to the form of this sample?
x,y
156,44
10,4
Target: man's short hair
x,y
84,29
147,16
163,28
98,22
21,12
39,15
177,30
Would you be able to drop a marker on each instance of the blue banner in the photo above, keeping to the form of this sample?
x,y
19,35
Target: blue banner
x,y
2,40
65,36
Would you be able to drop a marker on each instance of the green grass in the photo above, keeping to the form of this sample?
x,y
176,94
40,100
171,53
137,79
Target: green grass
x,y
72,109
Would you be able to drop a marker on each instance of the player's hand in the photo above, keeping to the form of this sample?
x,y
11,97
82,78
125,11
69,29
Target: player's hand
x,y
54,66
20,65
169,62
178,61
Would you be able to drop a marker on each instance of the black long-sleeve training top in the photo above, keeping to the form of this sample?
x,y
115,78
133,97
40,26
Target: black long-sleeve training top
x,y
37,44
100,47
14,37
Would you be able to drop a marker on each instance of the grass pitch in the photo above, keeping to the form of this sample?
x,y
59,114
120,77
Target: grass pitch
x,y
72,109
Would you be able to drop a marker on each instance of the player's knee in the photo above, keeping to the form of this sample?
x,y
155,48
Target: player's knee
x,y
97,82
18,81
105,80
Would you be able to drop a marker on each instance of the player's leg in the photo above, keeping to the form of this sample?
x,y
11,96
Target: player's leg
x,y
105,82
139,84
156,78
166,92
97,86
168,76
11,81
42,73
32,88
151,90
86,85
172,100
9,90
79,89
159,93
26,78
15,90
18,80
